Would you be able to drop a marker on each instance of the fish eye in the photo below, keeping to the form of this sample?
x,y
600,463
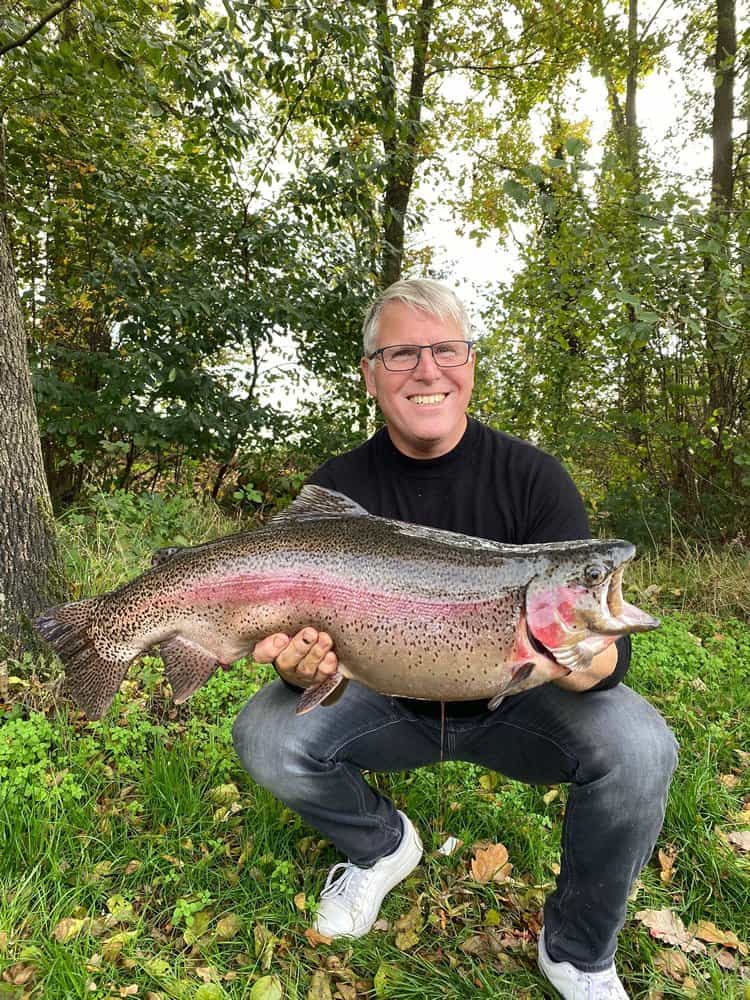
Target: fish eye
x,y
595,573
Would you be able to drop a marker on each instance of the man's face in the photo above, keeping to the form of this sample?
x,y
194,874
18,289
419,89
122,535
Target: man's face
x,y
425,409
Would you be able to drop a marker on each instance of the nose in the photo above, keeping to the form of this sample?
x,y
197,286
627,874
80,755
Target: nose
x,y
427,368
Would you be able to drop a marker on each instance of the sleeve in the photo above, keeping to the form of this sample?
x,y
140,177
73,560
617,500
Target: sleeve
x,y
555,510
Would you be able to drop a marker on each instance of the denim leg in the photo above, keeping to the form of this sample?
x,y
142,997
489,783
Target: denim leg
x,y
313,762
618,754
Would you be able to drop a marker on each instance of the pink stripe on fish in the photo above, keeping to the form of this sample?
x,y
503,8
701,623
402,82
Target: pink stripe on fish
x,y
319,592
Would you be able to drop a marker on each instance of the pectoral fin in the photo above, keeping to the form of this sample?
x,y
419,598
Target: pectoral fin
x,y
520,673
327,693
187,665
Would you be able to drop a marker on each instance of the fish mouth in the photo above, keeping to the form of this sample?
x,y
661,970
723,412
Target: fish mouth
x,y
614,616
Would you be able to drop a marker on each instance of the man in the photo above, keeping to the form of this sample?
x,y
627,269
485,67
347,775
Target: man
x,y
433,465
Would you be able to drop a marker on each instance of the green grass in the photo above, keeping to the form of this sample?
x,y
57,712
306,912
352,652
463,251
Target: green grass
x,y
131,827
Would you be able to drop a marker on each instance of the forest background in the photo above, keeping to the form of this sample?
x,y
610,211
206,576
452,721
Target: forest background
x,y
197,201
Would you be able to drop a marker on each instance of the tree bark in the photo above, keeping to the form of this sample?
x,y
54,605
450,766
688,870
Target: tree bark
x,y
28,553
400,136
722,174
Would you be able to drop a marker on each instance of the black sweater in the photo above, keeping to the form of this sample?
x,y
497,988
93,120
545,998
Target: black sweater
x,y
491,485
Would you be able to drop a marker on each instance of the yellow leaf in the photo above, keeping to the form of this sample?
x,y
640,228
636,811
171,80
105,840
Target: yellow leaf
x,y
228,927
707,931
121,909
320,987
550,796
69,928
408,928
267,988
300,901
224,795
265,942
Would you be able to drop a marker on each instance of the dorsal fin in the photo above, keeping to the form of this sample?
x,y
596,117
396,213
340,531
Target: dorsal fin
x,y
316,502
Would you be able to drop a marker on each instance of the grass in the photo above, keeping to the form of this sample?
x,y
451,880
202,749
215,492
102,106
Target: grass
x,y
138,859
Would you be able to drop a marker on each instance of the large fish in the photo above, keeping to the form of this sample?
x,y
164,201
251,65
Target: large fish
x,y
413,611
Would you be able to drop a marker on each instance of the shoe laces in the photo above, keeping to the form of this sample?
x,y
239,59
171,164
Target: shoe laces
x,y
345,882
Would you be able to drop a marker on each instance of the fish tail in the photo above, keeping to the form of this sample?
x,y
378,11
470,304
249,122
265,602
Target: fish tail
x,y
91,679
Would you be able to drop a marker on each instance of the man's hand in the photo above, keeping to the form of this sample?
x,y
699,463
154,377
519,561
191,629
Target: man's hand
x,y
304,660
602,666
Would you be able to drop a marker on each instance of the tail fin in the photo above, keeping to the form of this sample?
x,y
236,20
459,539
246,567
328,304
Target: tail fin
x,y
91,680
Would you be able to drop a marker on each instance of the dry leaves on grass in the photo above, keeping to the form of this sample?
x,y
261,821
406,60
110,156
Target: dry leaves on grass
x,y
672,963
408,928
740,839
667,859
320,987
490,864
314,938
265,942
668,926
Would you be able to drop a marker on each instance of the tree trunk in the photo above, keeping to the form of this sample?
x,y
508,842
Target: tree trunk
x,y
720,360
28,553
400,136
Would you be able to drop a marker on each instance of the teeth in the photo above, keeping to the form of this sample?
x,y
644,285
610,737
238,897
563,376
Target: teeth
x,y
437,397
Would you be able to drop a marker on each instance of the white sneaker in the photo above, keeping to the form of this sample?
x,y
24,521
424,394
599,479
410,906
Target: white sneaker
x,y
351,898
573,984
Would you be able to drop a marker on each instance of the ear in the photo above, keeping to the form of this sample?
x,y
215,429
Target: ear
x,y
369,376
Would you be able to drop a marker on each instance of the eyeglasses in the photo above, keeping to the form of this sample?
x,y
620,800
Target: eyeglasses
x,y
405,357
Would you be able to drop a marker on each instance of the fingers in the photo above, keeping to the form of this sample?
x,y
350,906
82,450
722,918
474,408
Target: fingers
x,y
308,658
269,648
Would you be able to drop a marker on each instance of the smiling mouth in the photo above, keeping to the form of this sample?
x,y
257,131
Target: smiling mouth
x,y
432,399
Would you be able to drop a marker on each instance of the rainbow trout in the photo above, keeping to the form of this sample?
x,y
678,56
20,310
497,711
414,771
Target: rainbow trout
x,y
413,612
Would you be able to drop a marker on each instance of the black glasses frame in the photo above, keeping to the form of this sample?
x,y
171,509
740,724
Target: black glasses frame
x,y
420,348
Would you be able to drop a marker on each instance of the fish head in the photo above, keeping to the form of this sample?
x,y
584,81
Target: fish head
x,y
575,607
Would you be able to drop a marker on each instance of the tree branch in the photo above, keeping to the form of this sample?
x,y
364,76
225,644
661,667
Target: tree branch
x,y
52,12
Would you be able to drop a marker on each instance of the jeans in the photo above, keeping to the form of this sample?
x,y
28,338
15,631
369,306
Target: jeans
x,y
613,748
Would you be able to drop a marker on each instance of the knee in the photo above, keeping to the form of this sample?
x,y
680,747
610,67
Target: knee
x,y
258,741
642,754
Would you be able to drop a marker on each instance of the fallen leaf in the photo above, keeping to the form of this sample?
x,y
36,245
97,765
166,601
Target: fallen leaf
x,y
672,963
300,902
209,991
121,909
224,795
320,987
197,926
314,938
492,918
741,839
727,960
709,932
129,991
132,866
667,860
19,974
345,992
265,942
667,926
550,796
689,987
490,864
207,973
407,928
228,927
386,978
157,968
70,927
381,925
267,988
477,944
729,781
112,946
